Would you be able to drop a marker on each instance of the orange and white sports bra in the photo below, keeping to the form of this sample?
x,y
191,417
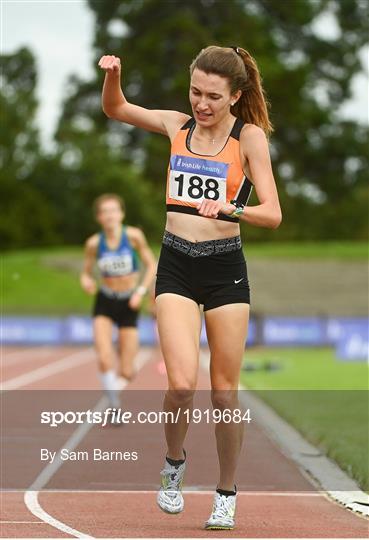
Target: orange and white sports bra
x,y
194,177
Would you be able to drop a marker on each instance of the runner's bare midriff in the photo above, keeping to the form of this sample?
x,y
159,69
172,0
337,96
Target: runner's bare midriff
x,y
198,228
121,283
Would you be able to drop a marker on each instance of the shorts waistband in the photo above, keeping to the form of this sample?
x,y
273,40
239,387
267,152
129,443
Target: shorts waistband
x,y
202,249
118,295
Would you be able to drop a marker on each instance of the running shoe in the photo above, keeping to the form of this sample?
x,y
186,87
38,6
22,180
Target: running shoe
x,y
222,516
170,498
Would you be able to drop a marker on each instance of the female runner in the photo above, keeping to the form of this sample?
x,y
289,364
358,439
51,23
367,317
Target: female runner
x,y
217,156
116,250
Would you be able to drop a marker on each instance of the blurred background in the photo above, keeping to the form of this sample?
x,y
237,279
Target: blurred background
x,y
309,278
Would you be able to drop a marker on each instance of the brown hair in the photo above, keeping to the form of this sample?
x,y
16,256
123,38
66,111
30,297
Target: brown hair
x,y
108,197
239,67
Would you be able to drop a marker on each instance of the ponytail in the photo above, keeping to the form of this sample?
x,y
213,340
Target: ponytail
x,y
239,67
252,106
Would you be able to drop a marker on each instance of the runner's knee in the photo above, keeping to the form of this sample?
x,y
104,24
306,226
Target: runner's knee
x,y
224,398
181,395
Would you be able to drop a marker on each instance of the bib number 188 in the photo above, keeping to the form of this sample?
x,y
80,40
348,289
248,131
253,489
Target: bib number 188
x,y
189,188
196,188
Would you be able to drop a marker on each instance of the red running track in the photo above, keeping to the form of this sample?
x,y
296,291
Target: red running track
x,y
281,503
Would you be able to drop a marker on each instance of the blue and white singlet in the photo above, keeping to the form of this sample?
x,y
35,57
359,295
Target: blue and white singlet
x,y
116,262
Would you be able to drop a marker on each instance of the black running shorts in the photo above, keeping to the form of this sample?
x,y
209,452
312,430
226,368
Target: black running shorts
x,y
117,309
212,273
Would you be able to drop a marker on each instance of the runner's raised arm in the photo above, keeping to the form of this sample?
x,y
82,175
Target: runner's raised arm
x,y
116,106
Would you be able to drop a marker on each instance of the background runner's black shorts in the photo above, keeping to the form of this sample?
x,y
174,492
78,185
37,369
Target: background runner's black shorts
x,y
212,273
117,309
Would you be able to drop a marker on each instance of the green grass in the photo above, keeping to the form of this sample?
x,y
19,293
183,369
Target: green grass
x,y
45,281
323,398
36,282
303,368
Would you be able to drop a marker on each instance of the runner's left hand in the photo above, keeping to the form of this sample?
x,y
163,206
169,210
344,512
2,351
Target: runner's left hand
x,y
135,301
210,208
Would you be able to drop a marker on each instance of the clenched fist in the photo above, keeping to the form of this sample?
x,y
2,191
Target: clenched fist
x,y
110,64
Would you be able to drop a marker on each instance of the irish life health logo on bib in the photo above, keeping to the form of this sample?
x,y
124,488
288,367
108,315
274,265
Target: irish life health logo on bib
x,y
194,179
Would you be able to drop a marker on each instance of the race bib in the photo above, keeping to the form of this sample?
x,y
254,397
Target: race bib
x,y
193,179
116,265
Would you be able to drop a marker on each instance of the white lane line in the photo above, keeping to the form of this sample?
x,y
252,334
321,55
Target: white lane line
x,y
11,522
31,501
31,495
68,362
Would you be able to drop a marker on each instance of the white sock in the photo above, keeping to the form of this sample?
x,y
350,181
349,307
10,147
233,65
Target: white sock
x,y
110,384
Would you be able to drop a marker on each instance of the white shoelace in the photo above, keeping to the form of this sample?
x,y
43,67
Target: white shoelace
x,y
223,507
174,477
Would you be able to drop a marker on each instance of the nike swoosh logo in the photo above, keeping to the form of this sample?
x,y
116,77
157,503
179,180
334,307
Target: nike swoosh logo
x,y
238,280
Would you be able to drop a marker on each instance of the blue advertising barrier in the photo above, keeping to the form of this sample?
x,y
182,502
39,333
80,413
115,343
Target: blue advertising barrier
x,y
350,336
73,330
340,327
277,331
31,330
77,330
353,340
